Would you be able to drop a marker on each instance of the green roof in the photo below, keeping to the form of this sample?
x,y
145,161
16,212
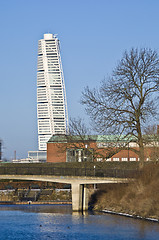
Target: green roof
x,y
61,138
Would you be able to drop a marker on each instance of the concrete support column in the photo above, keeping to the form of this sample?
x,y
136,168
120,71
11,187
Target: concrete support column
x,y
76,197
85,197
79,197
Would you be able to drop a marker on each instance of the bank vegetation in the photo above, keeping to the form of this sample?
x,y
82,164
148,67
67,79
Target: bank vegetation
x,y
139,197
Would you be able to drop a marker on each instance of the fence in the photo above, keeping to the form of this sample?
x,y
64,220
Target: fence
x,y
57,171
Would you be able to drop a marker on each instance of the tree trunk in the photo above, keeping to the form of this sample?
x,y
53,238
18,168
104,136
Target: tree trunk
x,y
141,156
141,147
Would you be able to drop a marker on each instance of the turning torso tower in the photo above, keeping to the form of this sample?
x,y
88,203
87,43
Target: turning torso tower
x,y
52,113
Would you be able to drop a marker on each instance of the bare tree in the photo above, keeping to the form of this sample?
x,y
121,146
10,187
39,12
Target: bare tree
x,y
80,137
77,143
78,127
128,100
151,140
80,140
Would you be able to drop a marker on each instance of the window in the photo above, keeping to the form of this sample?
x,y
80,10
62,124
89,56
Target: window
x,y
108,159
124,159
99,159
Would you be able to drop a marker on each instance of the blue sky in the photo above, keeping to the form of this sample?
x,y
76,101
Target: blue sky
x,y
93,36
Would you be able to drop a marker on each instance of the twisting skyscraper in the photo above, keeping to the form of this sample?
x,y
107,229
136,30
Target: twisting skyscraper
x,y
51,96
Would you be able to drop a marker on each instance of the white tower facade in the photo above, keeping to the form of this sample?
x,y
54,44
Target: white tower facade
x,y
52,112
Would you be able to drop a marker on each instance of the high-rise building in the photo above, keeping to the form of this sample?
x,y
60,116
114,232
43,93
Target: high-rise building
x,y
52,113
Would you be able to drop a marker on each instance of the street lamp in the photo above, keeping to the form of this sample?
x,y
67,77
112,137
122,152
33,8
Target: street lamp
x,y
94,170
94,176
85,157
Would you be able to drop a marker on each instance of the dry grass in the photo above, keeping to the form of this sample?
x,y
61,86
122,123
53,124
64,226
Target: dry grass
x,y
140,197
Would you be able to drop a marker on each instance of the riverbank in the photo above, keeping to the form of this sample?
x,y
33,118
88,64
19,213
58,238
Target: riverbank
x,y
34,202
35,195
131,216
139,198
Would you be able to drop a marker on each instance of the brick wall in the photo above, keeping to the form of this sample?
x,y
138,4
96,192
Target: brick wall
x,y
56,152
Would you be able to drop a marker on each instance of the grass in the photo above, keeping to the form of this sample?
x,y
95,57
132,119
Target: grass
x,y
140,197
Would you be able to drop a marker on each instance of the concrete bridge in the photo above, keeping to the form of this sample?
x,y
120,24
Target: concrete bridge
x,y
78,184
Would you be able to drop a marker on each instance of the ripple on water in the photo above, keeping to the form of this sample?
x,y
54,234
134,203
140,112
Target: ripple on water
x,y
44,222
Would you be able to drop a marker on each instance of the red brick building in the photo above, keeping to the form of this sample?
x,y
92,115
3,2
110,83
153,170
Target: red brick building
x,y
62,148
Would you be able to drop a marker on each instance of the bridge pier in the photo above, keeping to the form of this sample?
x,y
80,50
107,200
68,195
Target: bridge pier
x,y
79,197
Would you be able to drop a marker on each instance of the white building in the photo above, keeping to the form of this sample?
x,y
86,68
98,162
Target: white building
x,y
52,113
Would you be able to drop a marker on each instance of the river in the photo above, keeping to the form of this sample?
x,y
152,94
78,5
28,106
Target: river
x,y
45,222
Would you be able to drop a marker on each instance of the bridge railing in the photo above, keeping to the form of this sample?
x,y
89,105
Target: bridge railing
x,y
57,171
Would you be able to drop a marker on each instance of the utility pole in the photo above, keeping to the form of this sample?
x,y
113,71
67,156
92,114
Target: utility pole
x,y
15,155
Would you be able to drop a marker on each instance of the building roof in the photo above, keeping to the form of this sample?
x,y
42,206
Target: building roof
x,y
61,138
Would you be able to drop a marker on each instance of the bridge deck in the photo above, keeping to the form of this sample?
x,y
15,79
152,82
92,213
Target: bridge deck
x,y
65,179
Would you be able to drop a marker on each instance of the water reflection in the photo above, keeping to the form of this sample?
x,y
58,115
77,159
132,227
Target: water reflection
x,y
85,213
57,208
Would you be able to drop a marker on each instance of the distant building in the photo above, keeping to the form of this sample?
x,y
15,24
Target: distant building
x,y
29,160
39,156
52,113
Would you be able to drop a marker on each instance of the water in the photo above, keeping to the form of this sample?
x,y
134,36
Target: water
x,y
44,222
